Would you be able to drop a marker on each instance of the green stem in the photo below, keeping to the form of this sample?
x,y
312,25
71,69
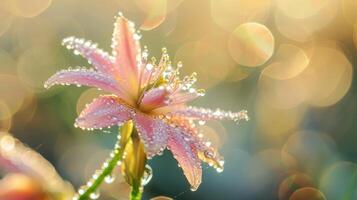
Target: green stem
x,y
108,166
136,191
98,178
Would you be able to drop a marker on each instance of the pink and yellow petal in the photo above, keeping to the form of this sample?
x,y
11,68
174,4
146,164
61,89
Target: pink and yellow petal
x,y
206,150
84,77
154,98
153,133
182,97
208,114
103,112
186,154
127,53
101,60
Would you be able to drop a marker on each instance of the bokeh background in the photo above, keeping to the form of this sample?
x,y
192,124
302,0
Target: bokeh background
x,y
290,63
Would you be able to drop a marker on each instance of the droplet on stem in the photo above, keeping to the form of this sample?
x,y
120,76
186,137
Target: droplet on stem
x,y
109,179
94,195
147,175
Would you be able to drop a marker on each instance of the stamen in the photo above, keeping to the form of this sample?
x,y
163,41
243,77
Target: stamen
x,y
144,57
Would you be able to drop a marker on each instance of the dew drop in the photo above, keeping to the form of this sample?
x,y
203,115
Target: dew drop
x,y
89,183
201,122
209,153
147,175
105,165
109,179
76,52
80,119
149,66
193,188
94,195
81,190
219,169
137,36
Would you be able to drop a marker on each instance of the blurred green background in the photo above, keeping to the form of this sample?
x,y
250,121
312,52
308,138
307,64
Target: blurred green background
x,y
289,63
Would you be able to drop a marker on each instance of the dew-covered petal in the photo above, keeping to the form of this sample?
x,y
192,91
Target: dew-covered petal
x,y
105,111
17,157
206,150
168,109
84,77
154,98
127,53
97,57
182,97
153,133
185,152
208,114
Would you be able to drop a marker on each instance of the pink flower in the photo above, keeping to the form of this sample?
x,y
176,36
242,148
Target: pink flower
x,y
148,93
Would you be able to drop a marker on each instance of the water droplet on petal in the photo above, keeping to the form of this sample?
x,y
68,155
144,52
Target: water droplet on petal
x,y
219,169
201,122
147,175
137,36
149,66
193,188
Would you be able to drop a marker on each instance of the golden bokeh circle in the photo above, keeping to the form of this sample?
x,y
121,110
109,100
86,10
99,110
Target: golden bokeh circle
x,y
292,183
12,92
329,76
307,27
229,14
154,13
26,8
289,61
307,193
197,57
251,44
300,9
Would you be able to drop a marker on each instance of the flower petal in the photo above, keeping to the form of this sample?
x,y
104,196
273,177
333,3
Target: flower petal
x,y
84,77
127,51
154,98
208,114
153,133
104,111
95,56
183,97
168,109
185,152
206,151
19,158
